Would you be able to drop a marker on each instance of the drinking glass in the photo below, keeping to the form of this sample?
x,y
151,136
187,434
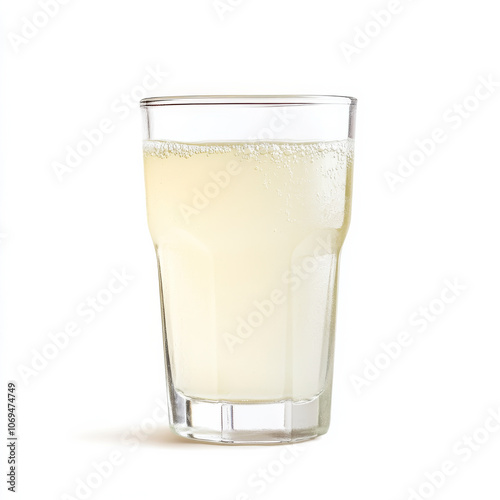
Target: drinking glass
x,y
248,202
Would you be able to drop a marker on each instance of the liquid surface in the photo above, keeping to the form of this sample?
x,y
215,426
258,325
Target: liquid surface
x,y
247,238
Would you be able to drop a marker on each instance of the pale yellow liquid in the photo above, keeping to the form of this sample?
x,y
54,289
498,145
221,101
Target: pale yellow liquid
x,y
270,224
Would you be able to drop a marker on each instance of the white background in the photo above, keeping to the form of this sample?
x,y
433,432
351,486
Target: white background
x,y
61,240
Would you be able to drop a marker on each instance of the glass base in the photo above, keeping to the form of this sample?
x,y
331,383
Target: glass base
x,y
228,422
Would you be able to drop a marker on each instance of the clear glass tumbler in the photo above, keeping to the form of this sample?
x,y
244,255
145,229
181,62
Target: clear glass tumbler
x,y
248,201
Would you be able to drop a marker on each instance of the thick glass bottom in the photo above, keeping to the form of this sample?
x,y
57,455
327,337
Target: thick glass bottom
x,y
229,422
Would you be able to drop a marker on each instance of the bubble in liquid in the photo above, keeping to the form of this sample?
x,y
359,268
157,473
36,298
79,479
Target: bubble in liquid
x,y
281,152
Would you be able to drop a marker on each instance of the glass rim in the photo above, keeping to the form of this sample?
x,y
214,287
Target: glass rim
x,y
252,100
